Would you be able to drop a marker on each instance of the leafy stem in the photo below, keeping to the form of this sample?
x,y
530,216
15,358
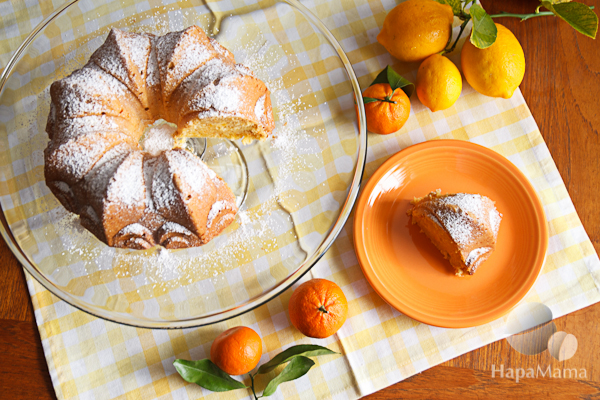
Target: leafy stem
x,y
580,16
462,28
391,77
368,100
252,386
209,376
523,17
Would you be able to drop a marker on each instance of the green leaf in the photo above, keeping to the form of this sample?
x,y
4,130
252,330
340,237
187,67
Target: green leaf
x,y
306,350
455,4
298,367
484,30
579,16
382,77
395,80
206,374
367,100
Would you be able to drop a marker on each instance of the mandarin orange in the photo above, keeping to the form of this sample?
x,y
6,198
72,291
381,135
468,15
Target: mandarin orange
x,y
391,110
318,308
237,350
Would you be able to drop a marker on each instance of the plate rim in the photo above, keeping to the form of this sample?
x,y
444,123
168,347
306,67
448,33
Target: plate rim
x,y
370,275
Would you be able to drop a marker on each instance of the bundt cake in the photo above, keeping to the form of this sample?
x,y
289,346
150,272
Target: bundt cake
x,y
109,161
464,227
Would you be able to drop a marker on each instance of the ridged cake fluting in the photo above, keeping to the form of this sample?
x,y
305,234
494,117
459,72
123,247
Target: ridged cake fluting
x,y
95,164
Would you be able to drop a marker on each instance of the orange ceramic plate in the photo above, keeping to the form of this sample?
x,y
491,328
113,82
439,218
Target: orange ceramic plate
x,y
408,272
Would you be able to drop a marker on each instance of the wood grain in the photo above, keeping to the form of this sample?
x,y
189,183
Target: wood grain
x,y
14,297
23,370
561,86
461,383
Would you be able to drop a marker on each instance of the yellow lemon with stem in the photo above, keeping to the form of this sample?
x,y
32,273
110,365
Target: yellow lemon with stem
x,y
498,70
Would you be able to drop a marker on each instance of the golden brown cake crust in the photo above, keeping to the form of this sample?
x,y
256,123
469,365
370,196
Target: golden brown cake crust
x,y
95,164
463,226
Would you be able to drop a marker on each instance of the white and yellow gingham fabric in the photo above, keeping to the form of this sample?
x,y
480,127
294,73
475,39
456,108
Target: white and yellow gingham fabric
x,y
89,358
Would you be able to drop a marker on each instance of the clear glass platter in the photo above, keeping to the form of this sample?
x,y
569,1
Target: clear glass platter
x,y
296,189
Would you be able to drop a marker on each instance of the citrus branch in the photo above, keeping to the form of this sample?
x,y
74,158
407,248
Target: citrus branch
x,y
523,17
252,387
462,28
466,17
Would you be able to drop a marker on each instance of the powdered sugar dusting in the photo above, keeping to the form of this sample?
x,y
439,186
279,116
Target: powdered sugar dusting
x,y
72,128
92,118
127,188
79,94
165,46
95,183
456,224
158,137
62,186
138,49
193,171
463,207
76,157
216,208
180,54
175,227
134,229
152,71
475,254
495,219
221,97
251,236
220,49
212,72
164,194
259,108
121,52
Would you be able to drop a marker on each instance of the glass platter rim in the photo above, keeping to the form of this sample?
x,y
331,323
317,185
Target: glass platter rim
x,y
252,303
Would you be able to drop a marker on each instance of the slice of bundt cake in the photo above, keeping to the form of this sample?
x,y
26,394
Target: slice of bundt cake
x,y
464,227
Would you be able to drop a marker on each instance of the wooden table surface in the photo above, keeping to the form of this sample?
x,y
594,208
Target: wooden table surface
x,y
561,87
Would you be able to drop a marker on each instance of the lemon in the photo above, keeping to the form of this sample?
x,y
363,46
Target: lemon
x,y
416,29
438,83
498,70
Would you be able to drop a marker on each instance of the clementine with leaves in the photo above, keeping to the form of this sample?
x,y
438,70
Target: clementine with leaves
x,y
237,350
386,110
318,308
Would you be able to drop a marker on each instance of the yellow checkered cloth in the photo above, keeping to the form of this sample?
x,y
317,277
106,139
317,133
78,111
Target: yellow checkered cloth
x,y
90,358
